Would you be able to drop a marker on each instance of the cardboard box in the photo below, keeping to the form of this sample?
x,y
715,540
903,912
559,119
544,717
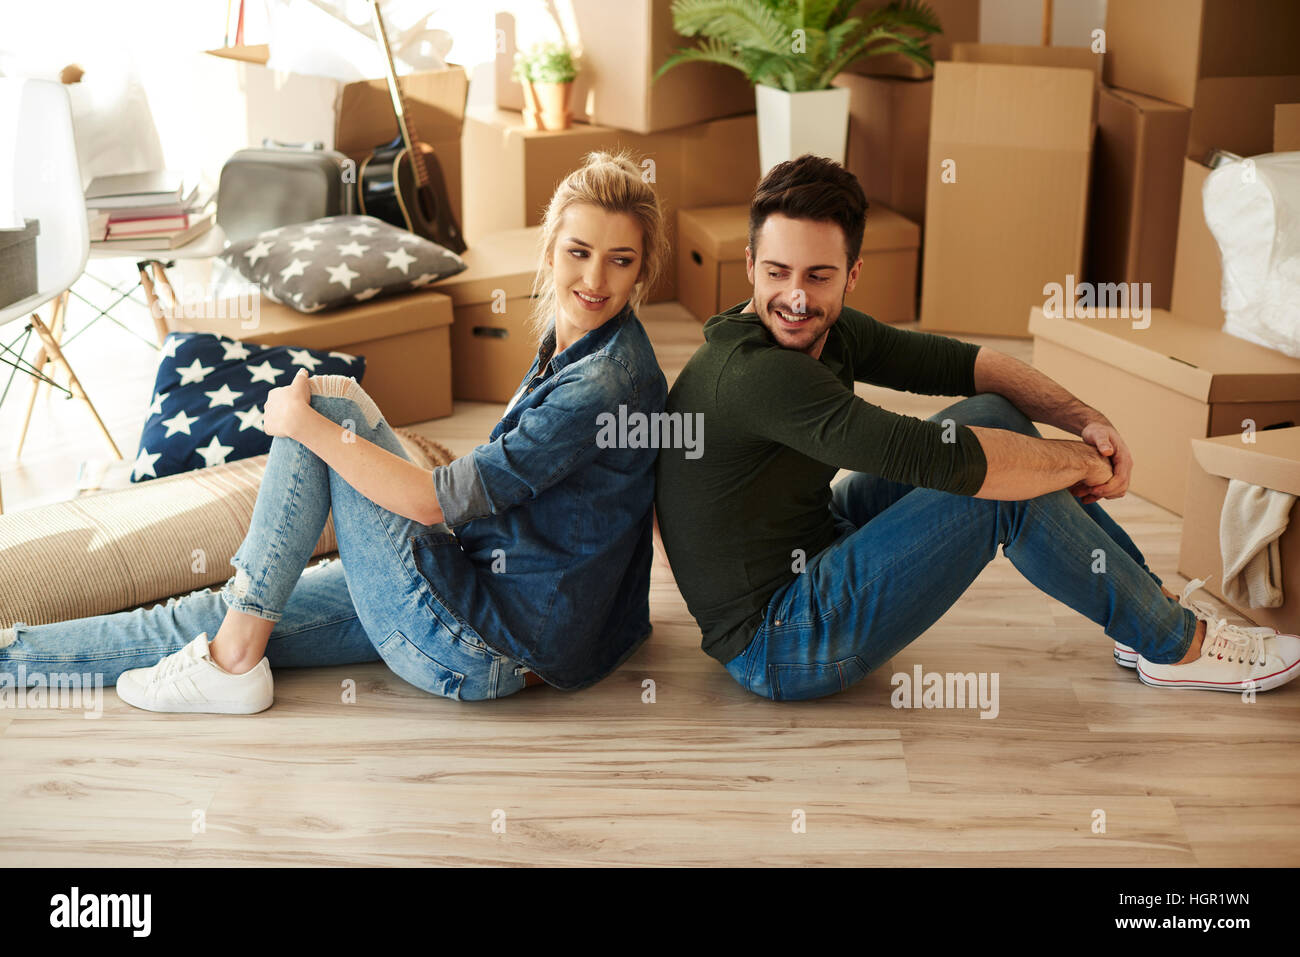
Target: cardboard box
x,y
512,172
1237,113
889,139
1006,192
1286,127
1165,384
1197,294
406,341
1163,48
246,101
492,345
960,20
1137,170
1078,58
1272,461
711,263
620,46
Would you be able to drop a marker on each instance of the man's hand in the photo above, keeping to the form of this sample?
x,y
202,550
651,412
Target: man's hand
x,y
285,406
1102,436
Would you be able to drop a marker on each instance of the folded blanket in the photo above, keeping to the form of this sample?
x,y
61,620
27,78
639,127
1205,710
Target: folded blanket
x,y
1252,521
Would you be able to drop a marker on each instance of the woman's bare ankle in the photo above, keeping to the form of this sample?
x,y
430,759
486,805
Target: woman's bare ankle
x,y
240,642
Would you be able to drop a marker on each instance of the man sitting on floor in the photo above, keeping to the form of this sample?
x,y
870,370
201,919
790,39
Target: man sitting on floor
x,y
801,588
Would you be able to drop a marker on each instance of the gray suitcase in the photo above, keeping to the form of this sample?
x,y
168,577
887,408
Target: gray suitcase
x,y
279,185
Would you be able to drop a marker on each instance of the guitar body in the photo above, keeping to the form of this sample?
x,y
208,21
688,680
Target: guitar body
x,y
400,185
388,189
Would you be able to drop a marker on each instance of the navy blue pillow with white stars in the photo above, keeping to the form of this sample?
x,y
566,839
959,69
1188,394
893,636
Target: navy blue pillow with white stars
x,y
209,397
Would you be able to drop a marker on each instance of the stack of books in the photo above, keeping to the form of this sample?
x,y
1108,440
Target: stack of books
x,y
154,210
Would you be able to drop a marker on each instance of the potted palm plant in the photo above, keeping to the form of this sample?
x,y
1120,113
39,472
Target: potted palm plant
x,y
547,72
791,50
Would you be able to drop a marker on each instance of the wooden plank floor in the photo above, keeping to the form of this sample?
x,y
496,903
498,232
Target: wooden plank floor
x,y
706,774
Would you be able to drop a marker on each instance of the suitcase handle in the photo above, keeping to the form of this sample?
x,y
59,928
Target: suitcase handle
x,y
273,144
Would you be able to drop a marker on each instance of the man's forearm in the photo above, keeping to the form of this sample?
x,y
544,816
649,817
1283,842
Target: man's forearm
x,y
1033,393
388,480
1022,466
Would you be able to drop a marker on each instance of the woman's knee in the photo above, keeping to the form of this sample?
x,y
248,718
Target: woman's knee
x,y
324,388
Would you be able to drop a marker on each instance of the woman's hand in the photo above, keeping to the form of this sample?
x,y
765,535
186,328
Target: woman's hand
x,y
286,405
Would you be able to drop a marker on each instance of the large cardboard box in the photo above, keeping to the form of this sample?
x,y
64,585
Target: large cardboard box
x,y
711,272
492,344
406,341
1197,294
511,172
1163,48
1006,193
621,46
245,102
960,22
889,139
1271,460
1237,113
1137,169
1164,383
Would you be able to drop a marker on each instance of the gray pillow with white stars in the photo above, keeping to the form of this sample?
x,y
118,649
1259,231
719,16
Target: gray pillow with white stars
x,y
339,261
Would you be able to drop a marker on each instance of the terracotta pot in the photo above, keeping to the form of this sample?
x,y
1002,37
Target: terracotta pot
x,y
546,106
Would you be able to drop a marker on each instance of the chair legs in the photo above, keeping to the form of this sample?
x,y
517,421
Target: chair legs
x,y
156,306
50,352
57,312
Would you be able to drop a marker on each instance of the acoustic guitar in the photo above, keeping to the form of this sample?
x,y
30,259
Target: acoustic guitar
x,y
401,182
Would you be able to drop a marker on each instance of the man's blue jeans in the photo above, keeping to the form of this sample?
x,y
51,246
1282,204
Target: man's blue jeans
x,y
906,554
371,604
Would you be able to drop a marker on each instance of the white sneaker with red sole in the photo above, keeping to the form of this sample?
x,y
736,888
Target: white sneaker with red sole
x,y
1127,657
1232,659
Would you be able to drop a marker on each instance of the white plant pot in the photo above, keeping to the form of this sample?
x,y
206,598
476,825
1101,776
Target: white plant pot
x,y
791,124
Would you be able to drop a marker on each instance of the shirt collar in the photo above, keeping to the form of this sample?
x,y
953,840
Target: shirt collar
x,y
592,341
832,350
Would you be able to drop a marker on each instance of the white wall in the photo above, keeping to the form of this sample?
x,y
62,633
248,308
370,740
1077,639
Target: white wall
x,y
139,55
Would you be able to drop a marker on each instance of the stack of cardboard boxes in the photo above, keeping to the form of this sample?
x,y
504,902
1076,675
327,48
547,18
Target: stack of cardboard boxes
x,y
1184,77
989,156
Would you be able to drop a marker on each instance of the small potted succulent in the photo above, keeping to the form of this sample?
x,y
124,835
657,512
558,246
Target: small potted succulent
x,y
791,50
546,72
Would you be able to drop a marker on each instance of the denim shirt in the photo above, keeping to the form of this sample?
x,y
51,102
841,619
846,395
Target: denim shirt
x,y
550,560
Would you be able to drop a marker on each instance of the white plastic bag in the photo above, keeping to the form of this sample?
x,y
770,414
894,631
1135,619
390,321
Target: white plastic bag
x,y
1253,210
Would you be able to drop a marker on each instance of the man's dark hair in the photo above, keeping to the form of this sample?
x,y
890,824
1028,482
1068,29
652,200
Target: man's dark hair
x,y
816,188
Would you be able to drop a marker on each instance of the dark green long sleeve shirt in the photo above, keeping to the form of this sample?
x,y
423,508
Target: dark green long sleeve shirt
x,y
777,425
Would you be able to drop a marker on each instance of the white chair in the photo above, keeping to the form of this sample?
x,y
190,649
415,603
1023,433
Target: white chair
x,y
40,179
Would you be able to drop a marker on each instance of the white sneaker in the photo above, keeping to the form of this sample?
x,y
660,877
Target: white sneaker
x,y
1127,657
190,681
1233,658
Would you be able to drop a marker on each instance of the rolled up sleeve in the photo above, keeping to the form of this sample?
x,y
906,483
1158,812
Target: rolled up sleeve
x,y
550,441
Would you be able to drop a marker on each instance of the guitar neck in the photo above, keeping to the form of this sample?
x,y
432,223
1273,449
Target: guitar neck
x,y
405,125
